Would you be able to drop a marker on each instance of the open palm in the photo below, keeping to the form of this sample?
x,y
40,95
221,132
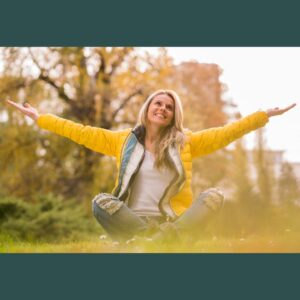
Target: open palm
x,y
26,109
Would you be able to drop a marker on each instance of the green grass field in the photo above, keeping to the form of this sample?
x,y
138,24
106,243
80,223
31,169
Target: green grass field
x,y
289,243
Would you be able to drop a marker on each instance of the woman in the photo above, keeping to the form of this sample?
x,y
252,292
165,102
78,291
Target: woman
x,y
154,163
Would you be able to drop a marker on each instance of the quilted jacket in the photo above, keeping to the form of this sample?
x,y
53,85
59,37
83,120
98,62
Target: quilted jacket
x,y
127,147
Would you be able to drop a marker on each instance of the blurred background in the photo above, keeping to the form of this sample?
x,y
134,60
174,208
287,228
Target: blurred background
x,y
47,182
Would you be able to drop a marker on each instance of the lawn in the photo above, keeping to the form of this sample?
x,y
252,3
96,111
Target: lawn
x,y
288,243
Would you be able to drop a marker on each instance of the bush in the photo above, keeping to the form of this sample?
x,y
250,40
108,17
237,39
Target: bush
x,y
49,218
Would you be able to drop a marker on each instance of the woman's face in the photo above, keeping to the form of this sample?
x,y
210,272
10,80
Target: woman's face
x,y
161,110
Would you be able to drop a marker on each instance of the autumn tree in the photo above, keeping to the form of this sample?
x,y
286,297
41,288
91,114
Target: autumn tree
x,y
244,193
264,169
202,93
101,87
288,186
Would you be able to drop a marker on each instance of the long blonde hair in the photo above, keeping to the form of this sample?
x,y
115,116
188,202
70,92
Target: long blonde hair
x,y
172,135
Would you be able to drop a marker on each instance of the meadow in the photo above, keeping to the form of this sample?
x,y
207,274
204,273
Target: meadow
x,y
287,243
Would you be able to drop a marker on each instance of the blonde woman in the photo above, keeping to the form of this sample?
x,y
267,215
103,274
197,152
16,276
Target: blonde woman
x,y
154,162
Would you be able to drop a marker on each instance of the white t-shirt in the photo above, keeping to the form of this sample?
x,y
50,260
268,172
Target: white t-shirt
x,y
148,187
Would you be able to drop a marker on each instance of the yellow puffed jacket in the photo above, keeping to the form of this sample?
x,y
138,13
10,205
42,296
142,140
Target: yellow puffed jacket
x,y
128,148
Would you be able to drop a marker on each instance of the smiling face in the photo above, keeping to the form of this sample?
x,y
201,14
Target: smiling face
x,y
161,110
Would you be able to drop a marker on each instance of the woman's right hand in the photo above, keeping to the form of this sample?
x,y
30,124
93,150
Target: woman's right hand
x,y
26,109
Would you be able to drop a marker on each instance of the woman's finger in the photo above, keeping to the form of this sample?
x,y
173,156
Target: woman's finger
x,y
287,108
290,106
16,105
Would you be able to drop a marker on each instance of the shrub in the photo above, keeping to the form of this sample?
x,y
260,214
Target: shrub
x,y
49,218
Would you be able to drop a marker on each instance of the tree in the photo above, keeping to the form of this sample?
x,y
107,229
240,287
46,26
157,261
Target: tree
x,y
288,186
201,92
244,193
264,170
101,87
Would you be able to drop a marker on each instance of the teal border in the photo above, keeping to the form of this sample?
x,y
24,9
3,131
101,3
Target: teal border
x,y
149,23
149,276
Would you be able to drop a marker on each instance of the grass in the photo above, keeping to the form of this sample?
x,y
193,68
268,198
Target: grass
x,y
287,243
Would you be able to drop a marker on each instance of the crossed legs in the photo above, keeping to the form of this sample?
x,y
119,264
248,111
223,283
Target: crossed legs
x,y
120,222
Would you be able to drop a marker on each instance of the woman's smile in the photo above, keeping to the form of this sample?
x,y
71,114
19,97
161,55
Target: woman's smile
x,y
160,116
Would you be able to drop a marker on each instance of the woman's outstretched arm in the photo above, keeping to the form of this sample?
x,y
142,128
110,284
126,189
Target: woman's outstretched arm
x,y
209,140
98,139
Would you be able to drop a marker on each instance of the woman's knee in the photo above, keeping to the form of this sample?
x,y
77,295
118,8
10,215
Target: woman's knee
x,y
106,203
213,198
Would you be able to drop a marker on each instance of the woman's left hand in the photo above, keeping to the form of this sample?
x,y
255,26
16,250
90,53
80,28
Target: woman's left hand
x,y
279,111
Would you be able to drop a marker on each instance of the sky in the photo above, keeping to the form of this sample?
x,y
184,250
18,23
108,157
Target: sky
x,y
258,78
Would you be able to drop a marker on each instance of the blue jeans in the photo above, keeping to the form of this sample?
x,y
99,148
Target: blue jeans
x,y
121,222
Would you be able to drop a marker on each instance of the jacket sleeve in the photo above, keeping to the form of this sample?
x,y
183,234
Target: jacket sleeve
x,y
97,139
209,140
